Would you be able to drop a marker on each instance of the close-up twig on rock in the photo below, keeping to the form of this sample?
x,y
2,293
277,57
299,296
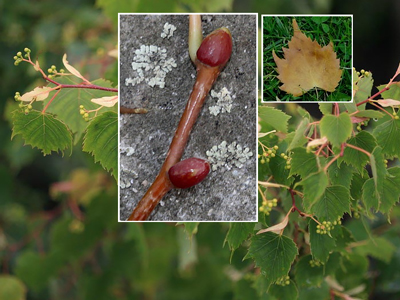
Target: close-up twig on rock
x,y
216,131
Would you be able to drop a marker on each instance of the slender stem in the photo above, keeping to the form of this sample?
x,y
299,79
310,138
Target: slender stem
x,y
205,79
87,86
261,193
51,100
359,149
331,162
336,107
321,148
294,207
342,150
379,107
375,95
76,211
71,86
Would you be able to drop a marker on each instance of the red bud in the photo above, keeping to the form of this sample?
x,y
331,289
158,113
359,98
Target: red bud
x,y
216,48
188,172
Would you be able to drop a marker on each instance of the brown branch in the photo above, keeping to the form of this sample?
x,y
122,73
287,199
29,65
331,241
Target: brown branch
x,y
212,55
205,78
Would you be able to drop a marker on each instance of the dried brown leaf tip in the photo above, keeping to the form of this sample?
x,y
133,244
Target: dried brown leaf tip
x,y
307,65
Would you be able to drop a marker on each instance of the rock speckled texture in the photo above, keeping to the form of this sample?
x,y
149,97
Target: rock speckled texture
x,y
227,194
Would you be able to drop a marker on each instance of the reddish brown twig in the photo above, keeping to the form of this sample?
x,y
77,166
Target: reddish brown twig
x,y
213,54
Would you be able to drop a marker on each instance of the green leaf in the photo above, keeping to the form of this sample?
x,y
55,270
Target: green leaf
x,y
334,261
384,196
314,187
206,5
378,166
370,195
155,5
388,137
136,234
273,253
358,159
370,114
336,128
319,20
392,93
299,138
363,90
190,228
67,102
238,232
352,273
378,247
284,292
325,108
11,288
343,237
320,293
325,28
307,275
340,175
35,270
303,113
303,163
101,140
321,244
243,290
187,255
391,190
42,130
334,202
274,117
112,8
279,171
350,107
261,285
356,186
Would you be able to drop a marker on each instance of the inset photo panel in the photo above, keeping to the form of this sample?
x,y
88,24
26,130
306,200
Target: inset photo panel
x,y
188,103
307,58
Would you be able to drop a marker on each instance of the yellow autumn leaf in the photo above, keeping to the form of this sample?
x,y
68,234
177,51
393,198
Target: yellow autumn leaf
x,y
307,65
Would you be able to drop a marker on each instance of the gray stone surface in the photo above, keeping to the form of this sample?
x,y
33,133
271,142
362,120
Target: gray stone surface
x,y
227,194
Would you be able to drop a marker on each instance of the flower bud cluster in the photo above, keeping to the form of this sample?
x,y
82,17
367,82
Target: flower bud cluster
x,y
315,263
18,57
27,107
267,205
326,226
267,154
53,71
83,112
283,281
288,160
363,73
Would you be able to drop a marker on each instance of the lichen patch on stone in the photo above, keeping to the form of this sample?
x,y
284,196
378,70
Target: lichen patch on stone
x,y
151,65
168,30
232,155
224,102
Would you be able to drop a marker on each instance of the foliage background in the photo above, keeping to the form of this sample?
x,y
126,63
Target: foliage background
x,y
69,246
